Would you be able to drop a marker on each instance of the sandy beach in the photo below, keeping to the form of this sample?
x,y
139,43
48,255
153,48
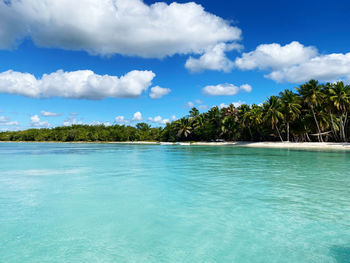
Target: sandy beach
x,y
287,145
290,145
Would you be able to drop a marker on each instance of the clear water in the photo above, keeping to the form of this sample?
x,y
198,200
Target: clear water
x,y
139,203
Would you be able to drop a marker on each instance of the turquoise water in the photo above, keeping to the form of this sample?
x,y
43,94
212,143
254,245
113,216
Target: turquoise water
x,y
139,203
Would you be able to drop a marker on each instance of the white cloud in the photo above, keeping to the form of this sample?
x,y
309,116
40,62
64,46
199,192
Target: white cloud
x,y
203,107
159,120
214,58
50,114
223,105
121,119
35,122
198,103
158,92
137,116
6,121
106,27
189,104
246,88
296,63
225,89
274,56
236,104
173,118
10,123
71,121
81,84
97,123
330,67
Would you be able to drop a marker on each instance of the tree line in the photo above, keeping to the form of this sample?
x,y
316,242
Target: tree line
x,y
313,112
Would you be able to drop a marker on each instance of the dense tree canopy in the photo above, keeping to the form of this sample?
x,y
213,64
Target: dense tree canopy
x,y
315,112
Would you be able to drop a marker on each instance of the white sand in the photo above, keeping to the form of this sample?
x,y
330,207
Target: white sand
x,y
290,145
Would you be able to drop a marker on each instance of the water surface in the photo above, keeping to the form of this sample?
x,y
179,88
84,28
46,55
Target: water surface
x,y
151,203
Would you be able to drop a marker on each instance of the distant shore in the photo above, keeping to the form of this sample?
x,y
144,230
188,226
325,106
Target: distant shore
x,y
284,145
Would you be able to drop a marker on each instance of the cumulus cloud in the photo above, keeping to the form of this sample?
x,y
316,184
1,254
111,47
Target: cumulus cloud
x,y
189,104
6,121
35,122
275,56
296,63
214,58
10,123
81,84
137,116
97,123
197,103
158,120
121,120
236,104
106,27
225,89
71,121
158,92
331,67
50,114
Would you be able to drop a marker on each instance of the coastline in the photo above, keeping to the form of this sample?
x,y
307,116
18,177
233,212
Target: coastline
x,y
281,145
286,145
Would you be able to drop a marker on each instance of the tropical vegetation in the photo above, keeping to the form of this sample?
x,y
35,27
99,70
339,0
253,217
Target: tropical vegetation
x,y
313,112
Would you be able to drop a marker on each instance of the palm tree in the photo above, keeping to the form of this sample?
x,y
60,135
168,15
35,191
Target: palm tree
x,y
312,95
244,115
194,112
328,90
340,97
291,109
256,117
232,111
184,128
272,113
215,118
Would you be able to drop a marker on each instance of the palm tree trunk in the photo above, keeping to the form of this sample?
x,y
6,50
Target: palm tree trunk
x,y
342,128
318,126
279,134
333,127
306,134
345,125
250,132
287,131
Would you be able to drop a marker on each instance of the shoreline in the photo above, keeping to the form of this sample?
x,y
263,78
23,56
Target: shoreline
x,y
281,145
287,145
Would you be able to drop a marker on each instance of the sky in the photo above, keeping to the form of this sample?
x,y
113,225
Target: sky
x,y
127,61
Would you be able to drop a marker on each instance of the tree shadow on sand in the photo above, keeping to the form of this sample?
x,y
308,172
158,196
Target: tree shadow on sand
x,y
340,253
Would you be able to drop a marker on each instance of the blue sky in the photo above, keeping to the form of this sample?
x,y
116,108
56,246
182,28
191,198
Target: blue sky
x,y
202,57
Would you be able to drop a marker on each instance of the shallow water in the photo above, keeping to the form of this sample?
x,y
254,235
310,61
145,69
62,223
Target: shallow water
x,y
149,203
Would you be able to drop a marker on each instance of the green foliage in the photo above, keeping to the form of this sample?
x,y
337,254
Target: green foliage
x,y
316,112
79,133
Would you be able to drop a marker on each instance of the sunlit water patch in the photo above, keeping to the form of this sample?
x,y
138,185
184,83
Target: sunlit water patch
x,y
149,203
